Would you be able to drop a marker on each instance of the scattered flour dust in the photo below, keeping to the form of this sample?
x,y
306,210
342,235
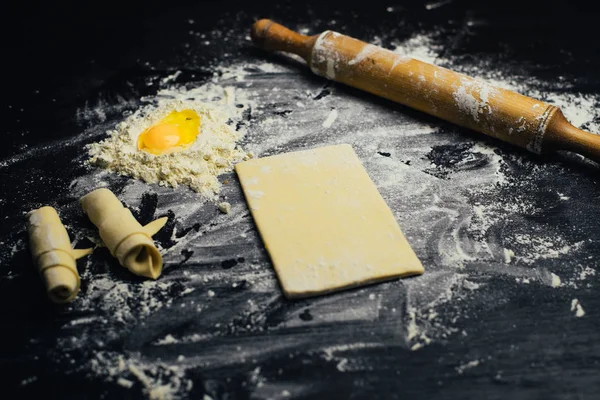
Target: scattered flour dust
x,y
158,381
331,117
577,308
425,324
419,46
214,152
579,108
472,97
555,280
224,207
468,365
123,304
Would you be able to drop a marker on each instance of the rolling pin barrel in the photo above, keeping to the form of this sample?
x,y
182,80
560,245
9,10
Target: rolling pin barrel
x,y
523,121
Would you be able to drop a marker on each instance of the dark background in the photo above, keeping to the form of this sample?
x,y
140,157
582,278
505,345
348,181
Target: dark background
x,y
55,57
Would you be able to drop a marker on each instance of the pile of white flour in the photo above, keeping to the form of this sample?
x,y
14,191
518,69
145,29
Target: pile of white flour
x,y
214,152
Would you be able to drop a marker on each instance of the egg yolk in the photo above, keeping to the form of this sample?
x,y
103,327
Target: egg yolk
x,y
173,133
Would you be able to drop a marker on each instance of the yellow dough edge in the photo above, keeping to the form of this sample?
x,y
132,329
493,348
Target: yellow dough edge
x,y
323,221
126,239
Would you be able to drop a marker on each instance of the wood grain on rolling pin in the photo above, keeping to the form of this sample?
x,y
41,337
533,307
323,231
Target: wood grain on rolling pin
x,y
523,121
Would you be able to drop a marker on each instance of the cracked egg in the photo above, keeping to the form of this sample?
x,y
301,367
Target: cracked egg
x,y
173,133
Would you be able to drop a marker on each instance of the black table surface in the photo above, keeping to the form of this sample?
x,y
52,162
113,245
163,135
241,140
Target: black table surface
x,y
518,337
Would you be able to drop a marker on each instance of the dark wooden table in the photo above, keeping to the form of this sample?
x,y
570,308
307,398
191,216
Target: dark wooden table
x,y
488,325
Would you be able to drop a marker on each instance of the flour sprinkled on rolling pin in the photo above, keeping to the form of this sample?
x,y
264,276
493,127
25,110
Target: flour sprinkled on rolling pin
x,y
528,123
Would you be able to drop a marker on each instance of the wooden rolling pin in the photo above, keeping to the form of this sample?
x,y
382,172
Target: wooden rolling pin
x,y
532,124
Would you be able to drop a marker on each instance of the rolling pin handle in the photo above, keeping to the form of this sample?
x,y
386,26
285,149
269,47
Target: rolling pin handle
x,y
260,32
562,135
271,36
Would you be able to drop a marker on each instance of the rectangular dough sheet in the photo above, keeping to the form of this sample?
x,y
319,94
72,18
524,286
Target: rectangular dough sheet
x,y
323,222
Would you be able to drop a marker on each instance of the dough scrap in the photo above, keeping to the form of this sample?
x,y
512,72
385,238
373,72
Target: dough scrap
x,y
126,239
323,221
53,255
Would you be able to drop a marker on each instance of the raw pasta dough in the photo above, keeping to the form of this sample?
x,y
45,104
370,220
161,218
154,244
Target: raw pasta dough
x,y
127,240
52,254
323,222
